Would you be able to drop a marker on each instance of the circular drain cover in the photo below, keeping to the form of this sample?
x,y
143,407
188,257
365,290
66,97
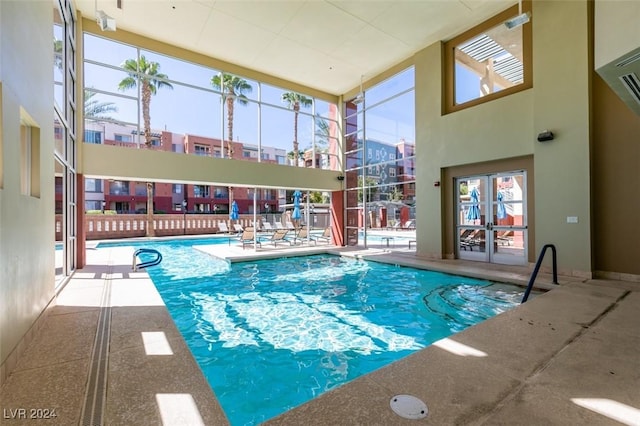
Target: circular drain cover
x,y
409,407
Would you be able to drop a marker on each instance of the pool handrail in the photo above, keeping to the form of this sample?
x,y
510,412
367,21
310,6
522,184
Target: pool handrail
x,y
538,263
142,265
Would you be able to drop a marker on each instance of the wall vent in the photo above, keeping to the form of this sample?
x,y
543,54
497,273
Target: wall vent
x,y
627,61
632,83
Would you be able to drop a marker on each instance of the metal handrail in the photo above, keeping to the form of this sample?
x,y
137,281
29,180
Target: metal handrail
x,y
142,265
537,268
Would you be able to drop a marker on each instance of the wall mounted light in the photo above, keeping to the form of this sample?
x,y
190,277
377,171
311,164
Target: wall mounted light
x,y
545,136
340,177
520,19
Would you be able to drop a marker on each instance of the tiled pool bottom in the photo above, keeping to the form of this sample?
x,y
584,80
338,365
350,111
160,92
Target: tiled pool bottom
x,y
270,335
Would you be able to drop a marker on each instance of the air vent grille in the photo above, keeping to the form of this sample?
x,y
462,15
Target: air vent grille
x,y
627,61
631,82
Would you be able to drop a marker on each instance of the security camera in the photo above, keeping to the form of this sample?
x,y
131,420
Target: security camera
x,y
105,22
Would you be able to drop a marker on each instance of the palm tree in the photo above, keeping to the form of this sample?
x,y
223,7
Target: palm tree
x,y
232,89
147,74
95,109
294,101
57,53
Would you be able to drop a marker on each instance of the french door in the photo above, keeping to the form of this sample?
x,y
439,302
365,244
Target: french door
x,y
491,218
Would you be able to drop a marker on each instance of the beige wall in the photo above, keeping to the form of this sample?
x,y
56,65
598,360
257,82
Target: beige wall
x,y
616,182
617,29
26,223
507,128
562,71
159,166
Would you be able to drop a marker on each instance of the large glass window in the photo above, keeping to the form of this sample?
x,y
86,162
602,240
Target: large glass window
x,y
64,126
380,157
489,61
231,115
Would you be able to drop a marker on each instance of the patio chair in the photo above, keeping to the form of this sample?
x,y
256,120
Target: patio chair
x,y
303,235
222,226
503,238
278,236
248,237
326,235
469,238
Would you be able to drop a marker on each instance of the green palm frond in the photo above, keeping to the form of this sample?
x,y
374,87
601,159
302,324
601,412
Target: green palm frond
x,y
97,110
232,86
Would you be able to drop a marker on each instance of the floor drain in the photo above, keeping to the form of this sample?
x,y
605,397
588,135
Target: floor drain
x,y
409,407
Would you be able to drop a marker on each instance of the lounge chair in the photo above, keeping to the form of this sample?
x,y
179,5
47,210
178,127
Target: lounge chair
x,y
279,225
470,238
266,226
326,235
222,226
303,235
238,228
290,225
279,236
504,238
248,237
410,224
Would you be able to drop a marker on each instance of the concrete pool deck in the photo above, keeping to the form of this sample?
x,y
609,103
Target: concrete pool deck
x,y
107,352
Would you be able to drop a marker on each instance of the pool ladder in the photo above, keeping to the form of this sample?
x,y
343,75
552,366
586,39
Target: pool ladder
x,y
142,265
537,268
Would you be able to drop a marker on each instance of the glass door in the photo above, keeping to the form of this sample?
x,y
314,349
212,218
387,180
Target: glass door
x,y
491,223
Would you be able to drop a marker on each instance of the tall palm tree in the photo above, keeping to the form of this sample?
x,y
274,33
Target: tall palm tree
x,y
294,101
232,89
148,75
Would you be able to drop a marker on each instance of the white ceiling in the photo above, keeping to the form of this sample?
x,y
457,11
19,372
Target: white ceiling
x,y
323,44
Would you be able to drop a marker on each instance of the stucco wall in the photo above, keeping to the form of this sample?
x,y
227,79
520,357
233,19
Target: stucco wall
x,y
616,182
507,128
26,223
616,28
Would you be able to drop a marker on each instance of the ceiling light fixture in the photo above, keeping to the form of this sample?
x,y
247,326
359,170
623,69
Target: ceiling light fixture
x,y
520,19
360,98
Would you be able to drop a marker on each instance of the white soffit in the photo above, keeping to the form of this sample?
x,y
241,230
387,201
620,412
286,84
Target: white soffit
x,y
326,45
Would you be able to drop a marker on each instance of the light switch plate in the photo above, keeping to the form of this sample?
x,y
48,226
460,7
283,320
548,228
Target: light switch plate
x,y
572,219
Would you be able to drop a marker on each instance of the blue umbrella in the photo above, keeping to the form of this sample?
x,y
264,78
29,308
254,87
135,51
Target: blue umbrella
x,y
235,213
296,206
474,209
501,212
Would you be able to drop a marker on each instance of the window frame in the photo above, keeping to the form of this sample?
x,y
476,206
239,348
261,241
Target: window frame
x,y
448,47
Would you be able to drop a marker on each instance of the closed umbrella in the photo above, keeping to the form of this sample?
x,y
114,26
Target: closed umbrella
x,y
296,215
474,209
501,212
235,212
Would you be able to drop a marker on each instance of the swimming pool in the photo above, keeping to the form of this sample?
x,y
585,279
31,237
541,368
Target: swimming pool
x,y
270,335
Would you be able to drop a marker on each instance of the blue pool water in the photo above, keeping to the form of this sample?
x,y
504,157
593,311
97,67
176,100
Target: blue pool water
x,y
270,335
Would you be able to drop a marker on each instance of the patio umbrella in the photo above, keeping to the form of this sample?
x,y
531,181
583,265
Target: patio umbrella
x,y
501,212
235,213
296,215
474,209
